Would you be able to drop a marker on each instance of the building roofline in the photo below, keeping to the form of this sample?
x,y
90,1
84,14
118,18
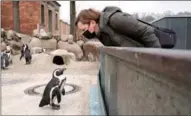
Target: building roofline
x,y
64,22
57,3
188,16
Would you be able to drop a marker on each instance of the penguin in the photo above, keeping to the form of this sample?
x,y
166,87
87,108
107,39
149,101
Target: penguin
x,y
8,52
4,60
61,86
25,51
53,90
62,81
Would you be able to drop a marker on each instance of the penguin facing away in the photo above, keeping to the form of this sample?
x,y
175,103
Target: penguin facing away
x,y
54,89
25,51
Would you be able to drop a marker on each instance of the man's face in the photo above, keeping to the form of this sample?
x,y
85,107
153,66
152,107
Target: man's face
x,y
90,27
88,30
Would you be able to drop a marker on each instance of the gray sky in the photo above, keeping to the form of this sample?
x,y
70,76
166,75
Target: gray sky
x,y
126,6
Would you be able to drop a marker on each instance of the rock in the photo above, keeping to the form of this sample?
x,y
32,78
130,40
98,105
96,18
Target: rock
x,y
24,38
61,53
12,35
8,48
91,51
44,35
58,38
91,57
72,56
74,48
7,42
64,38
50,44
19,35
80,43
3,33
35,42
35,33
3,46
36,50
50,35
15,47
2,39
70,39
15,52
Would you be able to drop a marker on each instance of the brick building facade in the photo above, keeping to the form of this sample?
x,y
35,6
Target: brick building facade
x,y
33,14
64,28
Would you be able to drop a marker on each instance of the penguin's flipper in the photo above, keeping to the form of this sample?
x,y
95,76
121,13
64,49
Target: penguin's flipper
x,y
43,102
57,94
61,86
63,91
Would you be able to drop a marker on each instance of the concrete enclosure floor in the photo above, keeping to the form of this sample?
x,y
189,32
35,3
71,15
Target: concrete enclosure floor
x,y
18,77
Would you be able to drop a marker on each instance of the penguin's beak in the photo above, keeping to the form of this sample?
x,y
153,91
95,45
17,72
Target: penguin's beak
x,y
63,69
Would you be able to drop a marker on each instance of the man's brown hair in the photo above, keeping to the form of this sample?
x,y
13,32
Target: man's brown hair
x,y
86,15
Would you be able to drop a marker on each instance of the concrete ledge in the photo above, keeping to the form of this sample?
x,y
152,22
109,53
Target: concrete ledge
x,y
170,63
146,81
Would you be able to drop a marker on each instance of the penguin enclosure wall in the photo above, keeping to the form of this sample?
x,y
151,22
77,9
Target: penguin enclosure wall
x,y
134,80
58,60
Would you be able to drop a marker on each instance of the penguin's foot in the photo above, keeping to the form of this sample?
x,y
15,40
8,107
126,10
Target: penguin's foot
x,y
55,107
63,92
27,63
5,68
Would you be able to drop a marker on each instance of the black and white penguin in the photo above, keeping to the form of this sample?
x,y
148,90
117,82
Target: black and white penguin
x,y
54,89
25,51
62,82
8,52
4,60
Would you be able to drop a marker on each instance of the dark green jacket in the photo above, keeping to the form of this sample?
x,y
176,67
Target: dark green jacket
x,y
121,29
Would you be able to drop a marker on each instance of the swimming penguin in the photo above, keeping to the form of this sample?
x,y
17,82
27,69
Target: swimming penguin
x,y
53,90
25,51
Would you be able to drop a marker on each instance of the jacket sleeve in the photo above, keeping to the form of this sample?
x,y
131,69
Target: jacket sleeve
x,y
127,25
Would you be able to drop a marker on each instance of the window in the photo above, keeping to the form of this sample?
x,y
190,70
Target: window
x,y
56,26
50,20
42,14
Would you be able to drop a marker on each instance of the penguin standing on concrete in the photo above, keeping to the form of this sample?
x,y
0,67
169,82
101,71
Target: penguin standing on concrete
x,y
4,60
8,52
54,89
25,51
